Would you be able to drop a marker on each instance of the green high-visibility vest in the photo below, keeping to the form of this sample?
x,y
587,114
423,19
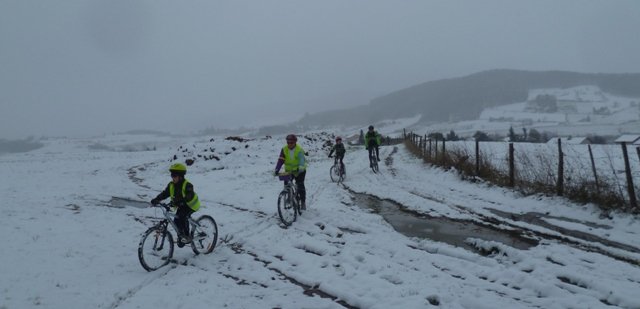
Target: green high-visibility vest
x,y
292,163
194,203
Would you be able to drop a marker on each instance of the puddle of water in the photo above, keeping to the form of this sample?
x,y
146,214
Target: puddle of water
x,y
438,228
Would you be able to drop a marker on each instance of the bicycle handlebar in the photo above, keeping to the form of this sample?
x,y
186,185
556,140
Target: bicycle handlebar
x,y
286,176
166,206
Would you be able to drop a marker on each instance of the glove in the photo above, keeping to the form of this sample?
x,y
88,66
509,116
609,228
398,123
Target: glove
x,y
275,173
155,202
329,156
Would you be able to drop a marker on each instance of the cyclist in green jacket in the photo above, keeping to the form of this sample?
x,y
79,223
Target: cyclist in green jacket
x,y
372,141
340,151
183,197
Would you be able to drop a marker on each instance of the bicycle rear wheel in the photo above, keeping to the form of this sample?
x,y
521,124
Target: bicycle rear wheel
x,y
205,235
156,248
286,209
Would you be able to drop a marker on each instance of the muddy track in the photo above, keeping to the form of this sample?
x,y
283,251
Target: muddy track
x,y
132,172
388,161
577,239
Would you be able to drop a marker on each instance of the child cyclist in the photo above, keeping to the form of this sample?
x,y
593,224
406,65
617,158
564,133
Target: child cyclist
x,y
180,190
340,151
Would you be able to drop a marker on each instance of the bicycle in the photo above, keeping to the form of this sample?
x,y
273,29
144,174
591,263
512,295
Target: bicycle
x,y
156,245
373,161
288,200
337,171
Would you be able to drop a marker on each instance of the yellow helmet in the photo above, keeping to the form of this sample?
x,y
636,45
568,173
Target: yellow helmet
x,y
178,168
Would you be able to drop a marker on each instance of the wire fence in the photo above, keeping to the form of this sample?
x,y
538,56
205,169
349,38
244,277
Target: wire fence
x,y
607,175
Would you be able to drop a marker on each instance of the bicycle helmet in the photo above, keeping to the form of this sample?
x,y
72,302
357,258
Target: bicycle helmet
x,y
178,168
292,137
370,128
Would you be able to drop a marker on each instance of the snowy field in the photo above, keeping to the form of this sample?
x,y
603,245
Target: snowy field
x,y
69,245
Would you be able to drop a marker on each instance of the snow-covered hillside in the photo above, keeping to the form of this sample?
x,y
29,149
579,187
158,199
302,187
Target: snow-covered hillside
x,y
72,227
578,111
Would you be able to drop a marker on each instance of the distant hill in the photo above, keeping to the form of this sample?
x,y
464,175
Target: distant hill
x,y
463,98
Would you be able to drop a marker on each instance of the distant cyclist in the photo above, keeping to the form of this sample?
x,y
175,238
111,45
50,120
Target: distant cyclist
x,y
180,190
372,141
292,157
340,151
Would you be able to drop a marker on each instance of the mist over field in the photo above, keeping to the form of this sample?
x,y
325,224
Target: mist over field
x,y
88,68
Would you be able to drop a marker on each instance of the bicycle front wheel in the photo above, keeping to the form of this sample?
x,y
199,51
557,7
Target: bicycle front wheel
x,y
334,173
205,235
373,163
156,248
286,209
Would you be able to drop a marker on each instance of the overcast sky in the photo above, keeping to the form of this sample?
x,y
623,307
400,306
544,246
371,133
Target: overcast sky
x,y
81,68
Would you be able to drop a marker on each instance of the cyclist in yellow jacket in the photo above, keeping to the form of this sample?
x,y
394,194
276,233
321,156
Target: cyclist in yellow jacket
x,y
293,159
182,195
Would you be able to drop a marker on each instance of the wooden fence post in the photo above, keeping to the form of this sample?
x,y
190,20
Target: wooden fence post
x,y
424,148
477,157
560,183
593,167
627,168
435,150
512,166
444,153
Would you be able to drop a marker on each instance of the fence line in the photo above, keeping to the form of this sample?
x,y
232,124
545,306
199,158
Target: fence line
x,y
604,175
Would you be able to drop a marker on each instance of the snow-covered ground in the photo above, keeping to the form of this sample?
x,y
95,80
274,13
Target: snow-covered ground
x,y
68,245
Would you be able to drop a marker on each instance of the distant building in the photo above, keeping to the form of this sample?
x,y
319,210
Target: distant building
x,y
630,139
570,140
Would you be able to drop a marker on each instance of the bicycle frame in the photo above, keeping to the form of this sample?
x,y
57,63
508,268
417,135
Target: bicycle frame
x,y
170,216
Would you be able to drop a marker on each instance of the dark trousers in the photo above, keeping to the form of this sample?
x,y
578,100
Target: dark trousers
x,y
299,179
182,219
341,163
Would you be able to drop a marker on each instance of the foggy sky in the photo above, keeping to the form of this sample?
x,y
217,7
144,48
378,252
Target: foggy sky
x,y
81,68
